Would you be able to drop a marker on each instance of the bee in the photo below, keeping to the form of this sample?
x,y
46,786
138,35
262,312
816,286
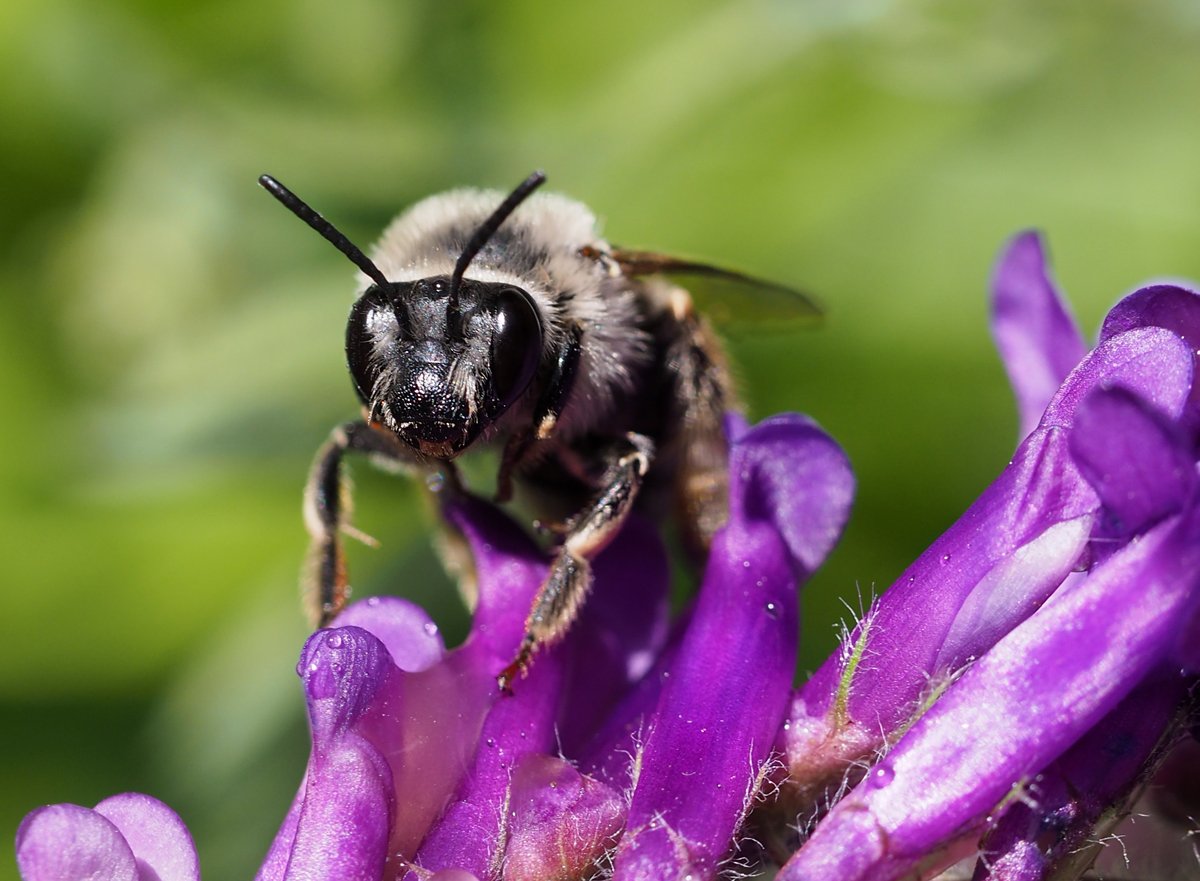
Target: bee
x,y
483,319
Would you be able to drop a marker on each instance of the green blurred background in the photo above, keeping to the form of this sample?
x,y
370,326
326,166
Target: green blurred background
x,y
170,339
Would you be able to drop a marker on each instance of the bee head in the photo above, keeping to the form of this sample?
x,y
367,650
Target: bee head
x,y
437,360
437,372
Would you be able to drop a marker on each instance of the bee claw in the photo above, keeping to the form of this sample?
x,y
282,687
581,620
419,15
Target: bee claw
x,y
506,676
519,666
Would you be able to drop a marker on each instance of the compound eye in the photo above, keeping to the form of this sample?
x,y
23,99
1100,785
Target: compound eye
x,y
370,332
516,345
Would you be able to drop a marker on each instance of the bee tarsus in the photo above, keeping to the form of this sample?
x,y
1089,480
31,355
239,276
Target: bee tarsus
x,y
589,532
327,511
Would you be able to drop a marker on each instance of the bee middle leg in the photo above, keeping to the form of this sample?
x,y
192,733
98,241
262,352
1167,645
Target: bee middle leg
x,y
587,533
547,412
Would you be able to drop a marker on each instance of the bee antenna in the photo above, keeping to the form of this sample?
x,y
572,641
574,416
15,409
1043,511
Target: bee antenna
x,y
488,229
331,233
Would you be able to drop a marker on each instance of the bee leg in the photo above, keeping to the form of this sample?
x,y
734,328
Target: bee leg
x,y
327,513
562,593
558,388
703,394
545,415
515,449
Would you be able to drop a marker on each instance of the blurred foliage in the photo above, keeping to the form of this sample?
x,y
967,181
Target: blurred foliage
x,y
170,340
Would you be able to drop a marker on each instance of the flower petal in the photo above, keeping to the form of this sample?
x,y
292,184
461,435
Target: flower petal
x,y
160,841
1037,338
404,736
1151,362
562,822
343,670
341,822
1140,465
1171,307
469,834
510,569
788,472
1019,707
610,754
1162,305
345,822
69,843
274,865
620,632
1021,862
405,629
427,724
1070,797
906,633
727,688
1011,590
717,715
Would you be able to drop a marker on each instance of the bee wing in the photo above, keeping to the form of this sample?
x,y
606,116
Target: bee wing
x,y
728,298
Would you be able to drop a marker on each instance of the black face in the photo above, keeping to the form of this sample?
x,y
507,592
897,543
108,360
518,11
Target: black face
x,y
435,375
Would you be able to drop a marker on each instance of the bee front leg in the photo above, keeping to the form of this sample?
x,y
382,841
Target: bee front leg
x,y
545,415
327,514
562,593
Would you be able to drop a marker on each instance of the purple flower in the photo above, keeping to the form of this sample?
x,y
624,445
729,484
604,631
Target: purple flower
x,y
636,743
129,837
449,775
1071,795
724,690
1003,702
1032,664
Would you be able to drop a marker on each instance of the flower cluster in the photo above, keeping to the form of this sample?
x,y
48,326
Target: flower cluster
x,y
638,744
1021,676
1003,701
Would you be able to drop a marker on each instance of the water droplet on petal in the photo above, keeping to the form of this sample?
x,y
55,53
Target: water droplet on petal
x,y
430,628
335,641
881,776
773,610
